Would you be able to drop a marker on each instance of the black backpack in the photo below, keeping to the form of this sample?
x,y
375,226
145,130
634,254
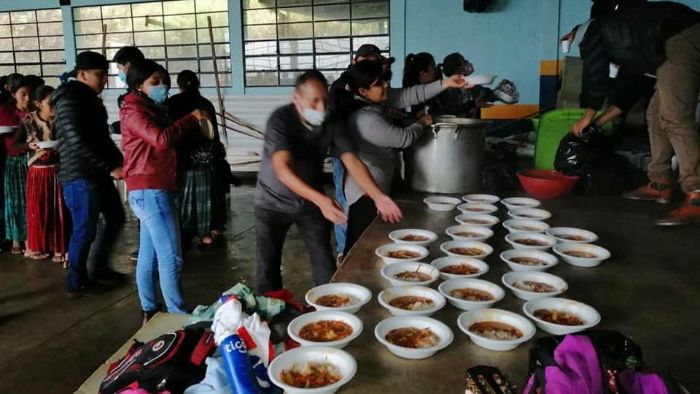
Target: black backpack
x,y
172,361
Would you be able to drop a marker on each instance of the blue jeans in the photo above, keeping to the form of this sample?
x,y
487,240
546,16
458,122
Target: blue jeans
x,y
339,182
160,250
86,200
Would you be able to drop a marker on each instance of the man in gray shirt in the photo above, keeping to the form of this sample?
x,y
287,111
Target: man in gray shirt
x,y
289,189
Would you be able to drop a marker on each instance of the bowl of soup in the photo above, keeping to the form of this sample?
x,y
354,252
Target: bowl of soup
x,y
561,316
525,225
411,300
529,213
455,267
481,198
325,328
413,337
413,236
474,207
528,260
528,285
344,297
581,255
496,329
472,249
477,219
312,369
469,233
520,202
469,293
410,273
398,252
530,241
571,234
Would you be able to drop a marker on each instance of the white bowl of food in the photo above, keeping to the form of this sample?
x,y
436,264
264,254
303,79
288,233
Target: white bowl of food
x,y
413,236
344,297
528,260
413,337
496,329
520,202
529,213
472,249
442,203
480,79
411,300
581,255
329,367
481,198
571,234
469,293
560,316
453,267
477,219
525,225
325,328
47,144
530,241
469,233
410,273
477,207
395,253
528,285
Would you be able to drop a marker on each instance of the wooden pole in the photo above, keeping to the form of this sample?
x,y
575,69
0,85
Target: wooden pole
x,y
104,40
216,79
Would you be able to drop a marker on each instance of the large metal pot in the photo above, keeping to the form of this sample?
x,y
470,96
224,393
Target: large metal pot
x,y
449,158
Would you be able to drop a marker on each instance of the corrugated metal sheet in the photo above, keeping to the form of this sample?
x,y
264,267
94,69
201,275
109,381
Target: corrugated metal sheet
x,y
253,109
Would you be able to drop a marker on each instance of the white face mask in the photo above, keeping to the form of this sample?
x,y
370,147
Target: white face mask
x,y
314,117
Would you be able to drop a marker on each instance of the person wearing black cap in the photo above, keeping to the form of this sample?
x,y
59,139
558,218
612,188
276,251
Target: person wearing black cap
x,y
89,162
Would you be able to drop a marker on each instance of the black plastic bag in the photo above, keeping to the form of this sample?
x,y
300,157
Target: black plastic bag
x,y
500,169
593,158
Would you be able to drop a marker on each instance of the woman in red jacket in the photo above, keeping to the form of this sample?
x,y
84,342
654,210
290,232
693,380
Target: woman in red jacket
x,y
150,163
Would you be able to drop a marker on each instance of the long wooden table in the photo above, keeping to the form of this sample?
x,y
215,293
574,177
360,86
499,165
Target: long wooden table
x,y
622,300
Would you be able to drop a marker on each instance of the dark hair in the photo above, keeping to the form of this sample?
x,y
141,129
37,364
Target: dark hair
x,y
141,70
362,75
29,81
415,63
128,54
311,75
12,79
41,92
188,81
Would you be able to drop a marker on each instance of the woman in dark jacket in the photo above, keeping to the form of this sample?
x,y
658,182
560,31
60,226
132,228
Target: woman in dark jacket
x,y
149,138
202,189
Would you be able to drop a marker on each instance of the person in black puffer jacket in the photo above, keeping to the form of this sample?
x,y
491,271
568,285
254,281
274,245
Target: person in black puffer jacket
x,y
89,161
661,38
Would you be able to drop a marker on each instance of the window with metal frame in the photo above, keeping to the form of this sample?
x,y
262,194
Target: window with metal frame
x,y
282,38
31,42
173,33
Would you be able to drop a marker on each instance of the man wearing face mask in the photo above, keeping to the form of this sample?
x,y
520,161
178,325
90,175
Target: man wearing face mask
x,y
290,191
89,162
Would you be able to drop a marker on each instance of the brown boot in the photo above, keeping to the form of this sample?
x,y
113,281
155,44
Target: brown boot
x,y
658,191
687,213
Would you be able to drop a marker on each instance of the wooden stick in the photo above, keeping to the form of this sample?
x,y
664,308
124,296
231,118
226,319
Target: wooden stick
x,y
216,79
104,40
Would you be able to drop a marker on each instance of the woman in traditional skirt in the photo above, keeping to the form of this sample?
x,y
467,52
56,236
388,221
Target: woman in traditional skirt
x,y
46,212
201,211
15,181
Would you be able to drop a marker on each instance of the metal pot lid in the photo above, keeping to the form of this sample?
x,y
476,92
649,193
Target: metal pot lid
x,y
453,120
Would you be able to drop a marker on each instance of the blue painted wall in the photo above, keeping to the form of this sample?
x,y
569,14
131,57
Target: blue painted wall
x,y
509,40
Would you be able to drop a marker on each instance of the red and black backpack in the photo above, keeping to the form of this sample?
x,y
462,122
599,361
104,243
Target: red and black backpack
x,y
172,361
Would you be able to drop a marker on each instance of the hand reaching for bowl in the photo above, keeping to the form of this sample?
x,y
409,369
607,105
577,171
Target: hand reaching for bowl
x,y
456,81
387,209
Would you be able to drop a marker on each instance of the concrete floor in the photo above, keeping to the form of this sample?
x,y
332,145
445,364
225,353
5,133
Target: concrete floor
x,y
50,344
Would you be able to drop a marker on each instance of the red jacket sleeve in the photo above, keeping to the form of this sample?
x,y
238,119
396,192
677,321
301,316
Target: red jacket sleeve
x,y
141,122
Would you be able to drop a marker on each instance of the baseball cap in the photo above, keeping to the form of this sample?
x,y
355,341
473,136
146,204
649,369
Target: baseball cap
x,y
367,50
89,60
